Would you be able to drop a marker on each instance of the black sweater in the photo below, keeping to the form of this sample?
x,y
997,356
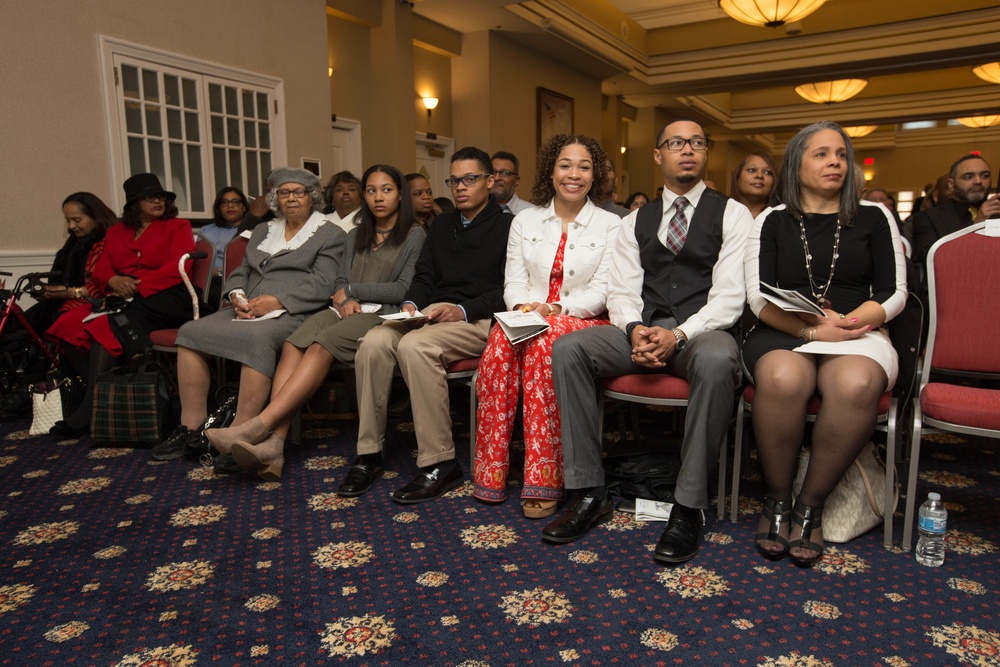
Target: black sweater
x,y
464,265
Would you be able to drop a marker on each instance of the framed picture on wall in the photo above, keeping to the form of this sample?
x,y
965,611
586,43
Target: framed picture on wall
x,y
555,115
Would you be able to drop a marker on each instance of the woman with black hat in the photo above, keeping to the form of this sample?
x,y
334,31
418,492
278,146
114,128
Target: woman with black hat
x,y
139,263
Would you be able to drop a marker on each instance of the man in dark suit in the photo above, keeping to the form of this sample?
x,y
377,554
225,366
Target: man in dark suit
x,y
970,180
458,285
675,293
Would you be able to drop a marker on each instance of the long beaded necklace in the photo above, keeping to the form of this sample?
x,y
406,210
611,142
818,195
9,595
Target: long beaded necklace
x,y
819,291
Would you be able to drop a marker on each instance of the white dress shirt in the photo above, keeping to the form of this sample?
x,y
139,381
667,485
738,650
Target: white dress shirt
x,y
727,294
516,204
531,251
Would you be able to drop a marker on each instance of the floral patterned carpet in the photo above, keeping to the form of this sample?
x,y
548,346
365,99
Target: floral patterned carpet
x,y
107,558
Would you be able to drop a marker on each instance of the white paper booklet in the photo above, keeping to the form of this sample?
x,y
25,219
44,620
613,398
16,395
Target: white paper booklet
x,y
789,300
403,316
520,326
652,510
266,316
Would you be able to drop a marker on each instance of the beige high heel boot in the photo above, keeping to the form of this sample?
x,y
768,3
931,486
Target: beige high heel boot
x,y
267,457
250,432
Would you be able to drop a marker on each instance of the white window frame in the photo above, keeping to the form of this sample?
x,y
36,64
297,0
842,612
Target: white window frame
x,y
113,50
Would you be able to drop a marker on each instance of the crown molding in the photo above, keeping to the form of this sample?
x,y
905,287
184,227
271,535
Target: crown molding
x,y
968,37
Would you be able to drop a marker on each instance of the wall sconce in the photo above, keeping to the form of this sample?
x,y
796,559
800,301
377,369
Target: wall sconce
x,y
329,71
430,103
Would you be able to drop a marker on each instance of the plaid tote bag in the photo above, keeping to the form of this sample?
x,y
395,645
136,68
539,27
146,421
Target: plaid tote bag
x,y
131,407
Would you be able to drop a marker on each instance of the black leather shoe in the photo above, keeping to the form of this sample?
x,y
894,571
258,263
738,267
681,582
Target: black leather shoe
x,y
591,509
365,470
174,445
63,430
680,541
430,484
400,408
225,464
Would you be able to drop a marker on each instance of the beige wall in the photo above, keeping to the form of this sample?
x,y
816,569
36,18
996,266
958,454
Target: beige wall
x,y
515,74
55,138
349,44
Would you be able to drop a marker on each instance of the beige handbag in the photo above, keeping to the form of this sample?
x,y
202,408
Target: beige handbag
x,y
854,507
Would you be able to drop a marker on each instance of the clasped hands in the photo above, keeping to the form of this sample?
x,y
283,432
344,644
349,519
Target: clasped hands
x,y
652,346
248,309
124,286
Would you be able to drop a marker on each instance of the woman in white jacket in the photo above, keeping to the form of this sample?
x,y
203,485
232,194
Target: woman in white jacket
x,y
558,260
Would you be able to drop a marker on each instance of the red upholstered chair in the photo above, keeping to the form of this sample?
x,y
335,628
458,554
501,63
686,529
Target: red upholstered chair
x,y
656,389
886,420
963,271
164,340
232,254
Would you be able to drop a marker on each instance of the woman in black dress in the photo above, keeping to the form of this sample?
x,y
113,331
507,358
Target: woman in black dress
x,y
845,256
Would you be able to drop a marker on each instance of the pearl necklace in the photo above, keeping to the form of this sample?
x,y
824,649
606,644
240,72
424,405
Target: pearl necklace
x,y
819,291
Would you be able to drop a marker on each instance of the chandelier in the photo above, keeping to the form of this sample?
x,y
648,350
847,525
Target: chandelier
x,y
770,13
980,121
828,92
860,130
988,72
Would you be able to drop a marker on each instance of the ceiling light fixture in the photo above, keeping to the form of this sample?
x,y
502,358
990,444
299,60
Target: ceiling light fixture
x,y
828,92
988,72
856,131
980,121
769,13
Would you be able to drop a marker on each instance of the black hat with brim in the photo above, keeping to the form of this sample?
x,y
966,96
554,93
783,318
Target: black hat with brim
x,y
141,185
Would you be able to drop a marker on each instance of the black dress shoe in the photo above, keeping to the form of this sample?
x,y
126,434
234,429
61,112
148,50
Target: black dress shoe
x,y
174,445
225,464
430,483
63,430
365,470
680,541
400,408
592,508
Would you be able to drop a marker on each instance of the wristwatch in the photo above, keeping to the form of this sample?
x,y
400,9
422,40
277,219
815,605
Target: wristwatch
x,y
681,339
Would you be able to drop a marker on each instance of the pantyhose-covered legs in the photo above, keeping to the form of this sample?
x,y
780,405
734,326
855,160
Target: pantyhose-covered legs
x,y
194,381
849,386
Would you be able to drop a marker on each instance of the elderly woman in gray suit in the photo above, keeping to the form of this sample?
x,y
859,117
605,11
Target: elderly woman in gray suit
x,y
287,274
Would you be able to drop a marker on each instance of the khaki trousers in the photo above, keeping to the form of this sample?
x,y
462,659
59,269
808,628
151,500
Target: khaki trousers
x,y
422,355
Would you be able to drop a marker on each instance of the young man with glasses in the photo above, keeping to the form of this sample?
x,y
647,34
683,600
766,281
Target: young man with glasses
x,y
458,285
505,181
676,295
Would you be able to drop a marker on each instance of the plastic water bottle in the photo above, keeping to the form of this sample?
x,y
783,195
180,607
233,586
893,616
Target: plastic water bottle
x,y
931,527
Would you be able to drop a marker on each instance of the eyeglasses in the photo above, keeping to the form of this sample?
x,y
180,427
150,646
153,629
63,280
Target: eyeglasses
x,y
157,197
231,202
298,193
468,179
677,143
506,173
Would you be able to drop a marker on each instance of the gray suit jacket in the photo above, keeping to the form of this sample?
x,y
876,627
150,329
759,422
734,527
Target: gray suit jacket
x,y
302,279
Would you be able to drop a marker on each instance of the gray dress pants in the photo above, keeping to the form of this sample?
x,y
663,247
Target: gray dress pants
x,y
709,363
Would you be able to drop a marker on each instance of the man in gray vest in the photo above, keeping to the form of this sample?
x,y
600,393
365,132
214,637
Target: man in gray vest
x,y
675,293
